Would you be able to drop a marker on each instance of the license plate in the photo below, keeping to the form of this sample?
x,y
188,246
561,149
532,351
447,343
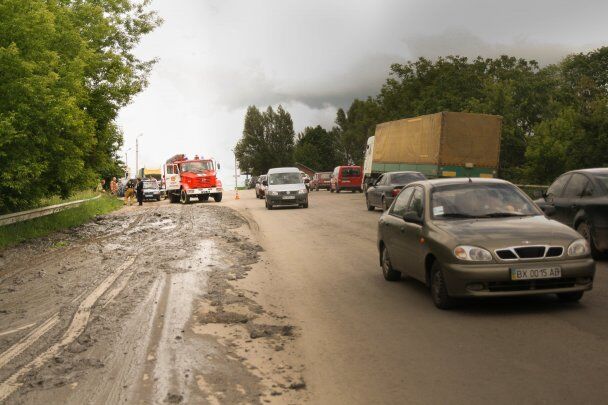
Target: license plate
x,y
534,274
289,197
148,195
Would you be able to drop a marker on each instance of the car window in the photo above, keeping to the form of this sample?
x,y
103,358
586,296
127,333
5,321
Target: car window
x,y
416,203
602,179
351,172
401,202
576,186
405,178
380,180
555,190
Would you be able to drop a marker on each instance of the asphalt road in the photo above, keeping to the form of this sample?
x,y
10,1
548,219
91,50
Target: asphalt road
x,y
364,340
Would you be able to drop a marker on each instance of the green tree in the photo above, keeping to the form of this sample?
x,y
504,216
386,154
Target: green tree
x,y
65,70
267,141
317,148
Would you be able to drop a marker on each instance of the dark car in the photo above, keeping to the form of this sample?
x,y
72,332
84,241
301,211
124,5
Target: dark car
x,y
579,199
151,190
386,187
480,238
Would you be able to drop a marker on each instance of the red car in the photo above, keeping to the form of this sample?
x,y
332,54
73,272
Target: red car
x,y
346,178
321,180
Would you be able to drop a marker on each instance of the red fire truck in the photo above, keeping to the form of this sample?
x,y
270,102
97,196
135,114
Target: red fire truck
x,y
187,179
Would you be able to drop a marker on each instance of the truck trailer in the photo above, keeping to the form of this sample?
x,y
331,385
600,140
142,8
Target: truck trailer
x,y
445,144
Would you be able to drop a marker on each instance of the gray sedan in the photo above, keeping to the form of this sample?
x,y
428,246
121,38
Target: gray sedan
x,y
480,238
386,187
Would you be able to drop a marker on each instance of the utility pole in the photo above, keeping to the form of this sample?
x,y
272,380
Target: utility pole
x,y
236,183
137,154
127,163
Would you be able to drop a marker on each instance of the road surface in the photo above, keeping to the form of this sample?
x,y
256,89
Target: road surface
x,y
232,303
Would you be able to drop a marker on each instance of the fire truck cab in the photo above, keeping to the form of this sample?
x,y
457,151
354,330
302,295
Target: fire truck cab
x,y
186,179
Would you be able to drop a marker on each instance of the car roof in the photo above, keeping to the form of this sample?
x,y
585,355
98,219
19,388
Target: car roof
x,y
459,180
597,170
404,172
283,170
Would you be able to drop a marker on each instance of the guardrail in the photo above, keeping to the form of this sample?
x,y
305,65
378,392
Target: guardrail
x,y
41,212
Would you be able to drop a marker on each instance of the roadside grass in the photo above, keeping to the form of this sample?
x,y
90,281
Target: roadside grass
x,y
80,195
42,226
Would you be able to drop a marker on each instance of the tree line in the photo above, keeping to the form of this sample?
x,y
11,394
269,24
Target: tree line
x,y
66,68
555,118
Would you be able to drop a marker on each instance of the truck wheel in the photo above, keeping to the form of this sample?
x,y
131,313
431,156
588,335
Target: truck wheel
x,y
184,197
217,197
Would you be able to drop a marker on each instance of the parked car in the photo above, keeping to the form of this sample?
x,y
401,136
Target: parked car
x,y
387,186
321,180
579,199
346,178
260,188
285,187
480,238
151,190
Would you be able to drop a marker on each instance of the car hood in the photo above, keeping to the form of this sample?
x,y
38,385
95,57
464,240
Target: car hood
x,y
286,187
497,233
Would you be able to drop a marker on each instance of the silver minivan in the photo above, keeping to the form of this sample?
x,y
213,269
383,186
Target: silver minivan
x,y
285,187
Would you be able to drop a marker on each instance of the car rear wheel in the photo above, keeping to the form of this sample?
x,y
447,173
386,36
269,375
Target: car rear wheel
x,y
585,230
369,206
570,296
439,289
388,272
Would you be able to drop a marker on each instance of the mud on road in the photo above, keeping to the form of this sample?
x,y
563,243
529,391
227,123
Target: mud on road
x,y
143,306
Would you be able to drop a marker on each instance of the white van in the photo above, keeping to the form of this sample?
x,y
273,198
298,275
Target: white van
x,y
284,186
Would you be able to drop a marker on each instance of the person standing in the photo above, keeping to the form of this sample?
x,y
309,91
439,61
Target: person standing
x,y
129,192
114,186
101,186
140,191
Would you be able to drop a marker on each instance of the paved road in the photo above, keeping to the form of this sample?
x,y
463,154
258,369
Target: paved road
x,y
364,340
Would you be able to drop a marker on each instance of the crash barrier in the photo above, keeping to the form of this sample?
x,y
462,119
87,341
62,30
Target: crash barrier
x,y
533,190
41,212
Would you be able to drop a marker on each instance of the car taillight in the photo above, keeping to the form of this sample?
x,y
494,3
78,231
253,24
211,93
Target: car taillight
x,y
396,192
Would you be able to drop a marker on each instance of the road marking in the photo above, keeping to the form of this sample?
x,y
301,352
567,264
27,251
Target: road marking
x,y
28,340
8,332
76,327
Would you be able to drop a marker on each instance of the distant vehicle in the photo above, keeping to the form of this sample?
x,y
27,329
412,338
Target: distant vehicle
x,y
386,187
151,190
579,199
346,178
260,188
187,179
285,187
446,144
321,180
480,238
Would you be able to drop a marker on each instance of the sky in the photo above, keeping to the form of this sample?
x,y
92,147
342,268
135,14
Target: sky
x,y
217,57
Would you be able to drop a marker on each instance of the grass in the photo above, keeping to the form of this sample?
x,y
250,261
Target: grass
x,y
81,195
38,227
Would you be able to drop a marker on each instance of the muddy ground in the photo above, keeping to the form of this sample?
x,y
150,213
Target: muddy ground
x,y
145,305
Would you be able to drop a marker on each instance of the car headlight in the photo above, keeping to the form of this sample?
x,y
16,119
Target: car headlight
x,y
472,254
303,191
579,247
273,193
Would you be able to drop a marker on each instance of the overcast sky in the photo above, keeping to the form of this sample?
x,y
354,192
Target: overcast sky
x,y
216,57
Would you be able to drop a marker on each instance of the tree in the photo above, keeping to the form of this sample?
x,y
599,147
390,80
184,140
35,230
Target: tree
x,y
267,141
66,67
317,149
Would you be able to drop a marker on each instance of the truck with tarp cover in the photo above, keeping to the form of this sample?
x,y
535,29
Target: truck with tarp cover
x,y
445,144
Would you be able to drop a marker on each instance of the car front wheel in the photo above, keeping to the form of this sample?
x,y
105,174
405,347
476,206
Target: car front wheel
x,y
388,272
439,289
369,206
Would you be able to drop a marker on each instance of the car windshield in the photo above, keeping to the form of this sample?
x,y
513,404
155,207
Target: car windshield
x,y
472,200
284,178
150,184
351,172
406,178
197,167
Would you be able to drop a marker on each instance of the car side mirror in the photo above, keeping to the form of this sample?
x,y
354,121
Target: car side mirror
x,y
264,183
549,210
218,166
412,217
